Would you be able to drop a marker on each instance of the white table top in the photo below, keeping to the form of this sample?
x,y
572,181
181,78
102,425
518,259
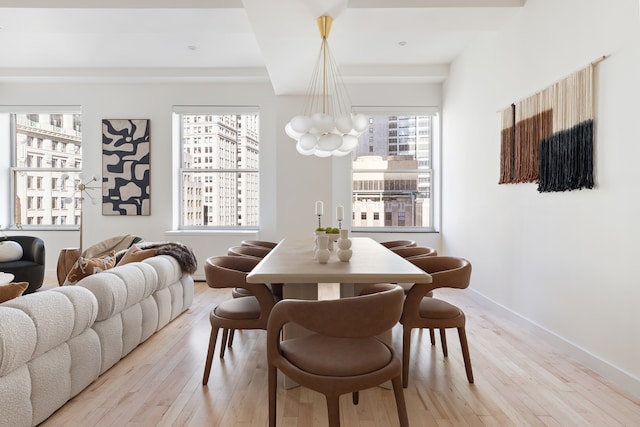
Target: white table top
x,y
5,278
292,261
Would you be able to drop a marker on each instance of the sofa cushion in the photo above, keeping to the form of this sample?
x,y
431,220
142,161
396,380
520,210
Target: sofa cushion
x,y
18,338
12,290
53,315
84,267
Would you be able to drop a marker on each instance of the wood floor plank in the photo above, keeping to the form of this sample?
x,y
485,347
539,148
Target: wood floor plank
x,y
519,381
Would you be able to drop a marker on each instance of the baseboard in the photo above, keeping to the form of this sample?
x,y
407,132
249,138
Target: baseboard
x,y
615,375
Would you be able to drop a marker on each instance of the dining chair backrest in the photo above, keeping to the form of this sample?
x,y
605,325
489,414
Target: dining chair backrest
x,y
409,252
398,243
253,251
260,243
355,317
231,272
445,272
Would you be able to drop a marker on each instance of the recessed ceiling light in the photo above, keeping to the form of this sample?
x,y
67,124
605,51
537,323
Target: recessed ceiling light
x,y
192,47
402,43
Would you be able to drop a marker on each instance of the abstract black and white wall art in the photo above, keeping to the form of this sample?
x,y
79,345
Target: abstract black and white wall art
x,y
125,167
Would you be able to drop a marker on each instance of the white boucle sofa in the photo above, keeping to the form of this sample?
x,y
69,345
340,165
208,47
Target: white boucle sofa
x,y
54,343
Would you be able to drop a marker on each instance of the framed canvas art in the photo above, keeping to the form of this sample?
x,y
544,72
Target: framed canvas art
x,y
125,167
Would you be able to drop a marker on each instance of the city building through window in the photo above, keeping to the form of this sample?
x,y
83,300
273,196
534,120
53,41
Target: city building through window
x,y
220,179
46,160
392,173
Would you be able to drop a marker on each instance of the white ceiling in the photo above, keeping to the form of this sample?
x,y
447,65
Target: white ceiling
x,y
231,40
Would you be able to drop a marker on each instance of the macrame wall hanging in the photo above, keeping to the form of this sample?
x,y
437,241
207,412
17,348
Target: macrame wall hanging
x,y
548,137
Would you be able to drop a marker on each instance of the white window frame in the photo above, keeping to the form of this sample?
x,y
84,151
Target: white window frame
x,y
178,112
9,168
435,159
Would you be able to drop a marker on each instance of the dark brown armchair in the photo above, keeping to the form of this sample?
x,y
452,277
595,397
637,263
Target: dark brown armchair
x,y
342,354
433,313
29,268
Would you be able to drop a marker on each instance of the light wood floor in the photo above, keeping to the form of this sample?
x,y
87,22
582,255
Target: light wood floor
x,y
519,381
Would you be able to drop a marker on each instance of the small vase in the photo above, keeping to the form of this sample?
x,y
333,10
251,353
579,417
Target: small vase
x,y
333,238
315,241
323,254
344,246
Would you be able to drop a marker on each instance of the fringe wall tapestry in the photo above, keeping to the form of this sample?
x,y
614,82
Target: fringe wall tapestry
x,y
548,137
507,145
566,156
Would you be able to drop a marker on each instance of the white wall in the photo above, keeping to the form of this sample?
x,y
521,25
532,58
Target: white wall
x,y
561,263
290,183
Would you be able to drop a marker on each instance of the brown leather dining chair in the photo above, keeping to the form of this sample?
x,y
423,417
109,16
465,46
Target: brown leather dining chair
x,y
259,243
409,252
341,355
254,251
398,243
433,313
250,312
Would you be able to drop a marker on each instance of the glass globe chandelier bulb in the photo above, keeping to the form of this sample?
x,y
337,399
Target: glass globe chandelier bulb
x,y
288,129
344,124
349,143
329,142
322,122
301,124
308,141
360,123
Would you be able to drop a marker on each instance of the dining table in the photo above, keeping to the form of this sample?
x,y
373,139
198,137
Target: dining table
x,y
292,263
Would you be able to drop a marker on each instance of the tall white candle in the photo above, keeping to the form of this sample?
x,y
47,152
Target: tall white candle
x,y
319,208
340,213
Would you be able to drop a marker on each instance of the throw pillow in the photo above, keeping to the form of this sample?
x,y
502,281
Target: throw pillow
x,y
12,290
135,254
84,267
10,251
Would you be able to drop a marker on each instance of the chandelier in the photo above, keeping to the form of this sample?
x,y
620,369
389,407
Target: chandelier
x,y
327,127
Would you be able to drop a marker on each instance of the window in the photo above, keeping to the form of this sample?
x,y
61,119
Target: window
x,y
220,179
392,172
40,168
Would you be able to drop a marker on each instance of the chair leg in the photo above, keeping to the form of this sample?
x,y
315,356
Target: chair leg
x,y
333,408
443,340
465,354
273,383
432,335
223,344
356,397
406,351
212,346
232,333
400,403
